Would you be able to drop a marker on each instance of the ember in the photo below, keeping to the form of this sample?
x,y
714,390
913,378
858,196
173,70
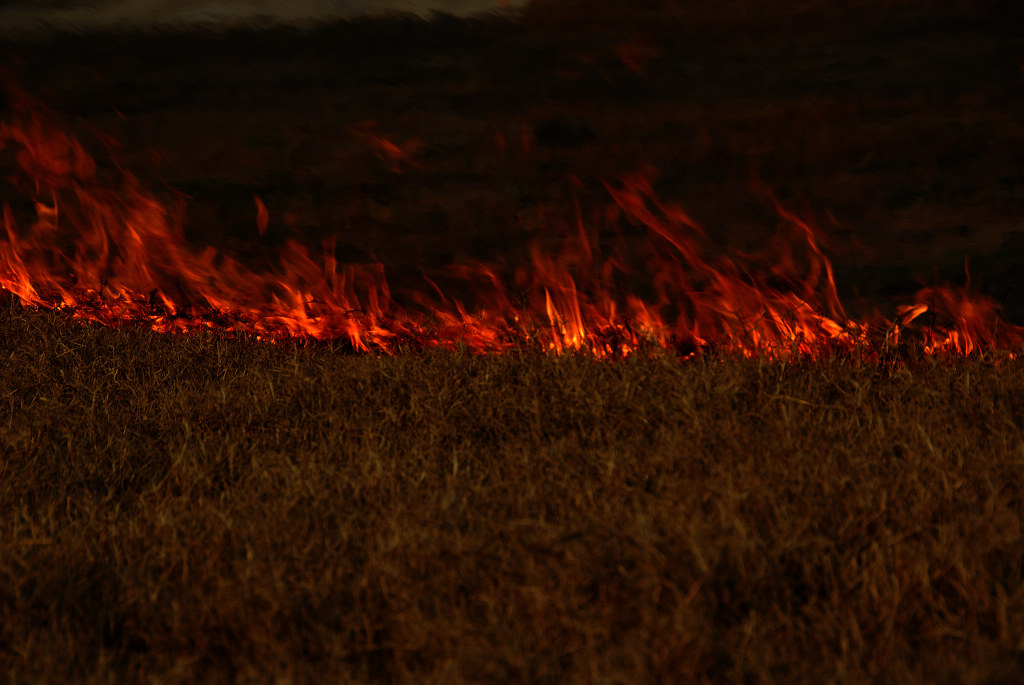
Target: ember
x,y
114,254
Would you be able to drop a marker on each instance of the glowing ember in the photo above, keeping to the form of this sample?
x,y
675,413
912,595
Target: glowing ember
x,y
127,261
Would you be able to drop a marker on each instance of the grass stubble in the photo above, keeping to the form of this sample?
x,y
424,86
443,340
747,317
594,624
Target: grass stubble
x,y
206,508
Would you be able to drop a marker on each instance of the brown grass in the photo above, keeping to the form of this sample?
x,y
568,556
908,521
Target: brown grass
x,y
198,508
207,509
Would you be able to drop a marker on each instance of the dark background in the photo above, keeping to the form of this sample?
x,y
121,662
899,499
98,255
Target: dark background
x,y
898,127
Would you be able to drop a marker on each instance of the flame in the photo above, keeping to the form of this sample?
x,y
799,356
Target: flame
x,y
262,215
114,254
397,155
636,55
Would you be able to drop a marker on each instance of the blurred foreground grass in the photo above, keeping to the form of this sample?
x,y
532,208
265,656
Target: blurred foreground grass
x,y
197,508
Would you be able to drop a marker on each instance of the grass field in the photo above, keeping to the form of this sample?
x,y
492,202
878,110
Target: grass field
x,y
216,508
198,508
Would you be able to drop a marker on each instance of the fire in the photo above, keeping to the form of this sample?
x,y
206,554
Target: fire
x,y
111,252
262,215
398,155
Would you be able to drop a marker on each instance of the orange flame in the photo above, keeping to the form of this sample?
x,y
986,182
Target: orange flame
x,y
128,261
397,155
262,215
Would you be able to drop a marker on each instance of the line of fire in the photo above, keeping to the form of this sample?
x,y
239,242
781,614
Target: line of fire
x,y
105,247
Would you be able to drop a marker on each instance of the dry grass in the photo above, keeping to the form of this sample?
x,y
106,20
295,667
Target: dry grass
x,y
207,509
181,509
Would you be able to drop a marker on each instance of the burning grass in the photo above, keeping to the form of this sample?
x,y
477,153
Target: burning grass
x,y
196,508
105,246
812,496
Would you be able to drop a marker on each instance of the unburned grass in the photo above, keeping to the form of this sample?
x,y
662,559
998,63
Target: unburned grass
x,y
204,508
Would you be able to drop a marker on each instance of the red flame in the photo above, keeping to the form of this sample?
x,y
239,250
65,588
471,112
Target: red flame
x,y
397,155
636,55
262,215
128,261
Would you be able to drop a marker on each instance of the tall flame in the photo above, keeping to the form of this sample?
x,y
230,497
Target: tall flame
x,y
114,254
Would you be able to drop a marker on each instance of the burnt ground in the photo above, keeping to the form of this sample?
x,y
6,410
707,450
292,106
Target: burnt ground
x,y
897,126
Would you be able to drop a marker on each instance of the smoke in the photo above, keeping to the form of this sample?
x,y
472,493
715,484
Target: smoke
x,y
100,15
